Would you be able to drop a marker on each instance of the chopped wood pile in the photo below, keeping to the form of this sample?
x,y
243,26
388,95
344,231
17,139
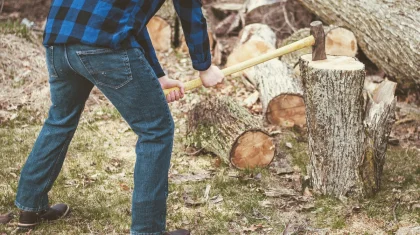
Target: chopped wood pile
x,y
241,30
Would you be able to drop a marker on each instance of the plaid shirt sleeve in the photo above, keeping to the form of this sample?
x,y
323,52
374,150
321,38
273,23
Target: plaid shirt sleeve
x,y
145,42
195,31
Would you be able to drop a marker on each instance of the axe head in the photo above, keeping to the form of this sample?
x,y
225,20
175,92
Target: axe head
x,y
318,49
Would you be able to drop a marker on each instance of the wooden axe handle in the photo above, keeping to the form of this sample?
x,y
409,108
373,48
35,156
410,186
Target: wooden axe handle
x,y
305,42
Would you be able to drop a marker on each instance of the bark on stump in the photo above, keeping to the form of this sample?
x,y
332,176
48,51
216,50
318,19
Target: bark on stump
x,y
223,127
342,141
388,32
281,94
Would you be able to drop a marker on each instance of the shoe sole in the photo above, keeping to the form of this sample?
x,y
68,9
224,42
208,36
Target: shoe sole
x,y
31,226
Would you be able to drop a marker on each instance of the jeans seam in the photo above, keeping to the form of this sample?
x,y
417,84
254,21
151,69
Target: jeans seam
x,y
66,143
136,233
68,62
52,71
24,208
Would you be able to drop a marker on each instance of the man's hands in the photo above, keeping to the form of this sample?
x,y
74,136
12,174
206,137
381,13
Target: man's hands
x,y
212,76
166,82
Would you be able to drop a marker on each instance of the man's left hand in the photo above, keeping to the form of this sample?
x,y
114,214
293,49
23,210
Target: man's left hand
x,y
166,83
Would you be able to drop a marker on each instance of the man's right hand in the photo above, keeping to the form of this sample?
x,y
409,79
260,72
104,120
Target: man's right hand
x,y
212,76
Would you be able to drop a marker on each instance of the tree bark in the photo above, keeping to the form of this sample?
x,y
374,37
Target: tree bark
x,y
281,94
223,127
388,32
338,41
342,141
379,119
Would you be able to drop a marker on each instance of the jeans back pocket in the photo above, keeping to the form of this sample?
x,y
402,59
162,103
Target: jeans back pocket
x,y
108,67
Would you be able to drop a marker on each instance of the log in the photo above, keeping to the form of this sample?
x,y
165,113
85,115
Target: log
x,y
254,40
388,32
283,17
223,127
344,161
281,94
160,33
338,41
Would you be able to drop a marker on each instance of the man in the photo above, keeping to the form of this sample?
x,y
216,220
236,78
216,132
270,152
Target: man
x,y
105,43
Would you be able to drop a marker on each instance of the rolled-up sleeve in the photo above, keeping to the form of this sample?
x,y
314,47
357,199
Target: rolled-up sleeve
x,y
194,26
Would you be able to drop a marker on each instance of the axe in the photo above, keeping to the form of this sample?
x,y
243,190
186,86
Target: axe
x,y
316,40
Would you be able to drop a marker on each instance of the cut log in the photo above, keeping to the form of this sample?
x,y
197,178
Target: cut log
x,y
388,32
281,94
160,33
342,141
338,41
255,39
223,127
283,17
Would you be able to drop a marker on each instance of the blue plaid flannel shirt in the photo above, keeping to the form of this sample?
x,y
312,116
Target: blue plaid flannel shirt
x,y
122,24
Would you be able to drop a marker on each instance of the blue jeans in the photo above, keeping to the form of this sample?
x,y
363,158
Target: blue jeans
x,y
127,80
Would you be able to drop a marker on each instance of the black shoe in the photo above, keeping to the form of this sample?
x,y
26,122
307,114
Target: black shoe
x,y
29,219
178,232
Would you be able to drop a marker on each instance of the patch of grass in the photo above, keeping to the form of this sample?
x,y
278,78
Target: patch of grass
x,y
16,28
400,184
329,213
95,186
299,151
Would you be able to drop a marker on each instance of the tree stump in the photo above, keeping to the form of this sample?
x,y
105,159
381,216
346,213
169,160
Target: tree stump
x,y
341,140
223,127
281,94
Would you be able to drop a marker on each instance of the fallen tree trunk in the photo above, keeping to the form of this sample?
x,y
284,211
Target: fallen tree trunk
x,y
347,149
281,94
338,41
223,127
388,32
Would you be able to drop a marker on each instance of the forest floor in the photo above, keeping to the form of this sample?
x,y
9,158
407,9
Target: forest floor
x,y
206,196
